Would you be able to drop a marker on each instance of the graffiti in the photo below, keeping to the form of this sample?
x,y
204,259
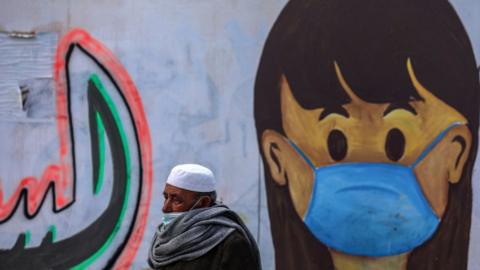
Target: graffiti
x,y
365,126
120,154
34,191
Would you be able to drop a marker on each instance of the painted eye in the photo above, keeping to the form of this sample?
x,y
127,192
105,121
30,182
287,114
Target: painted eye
x,y
395,144
337,145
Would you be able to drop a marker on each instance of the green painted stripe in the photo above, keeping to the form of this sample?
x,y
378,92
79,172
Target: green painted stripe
x,y
53,229
27,238
101,145
96,80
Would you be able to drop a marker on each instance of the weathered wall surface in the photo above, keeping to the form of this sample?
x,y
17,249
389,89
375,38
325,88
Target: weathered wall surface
x,y
193,64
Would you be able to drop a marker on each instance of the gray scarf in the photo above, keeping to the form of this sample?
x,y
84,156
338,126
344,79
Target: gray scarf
x,y
194,233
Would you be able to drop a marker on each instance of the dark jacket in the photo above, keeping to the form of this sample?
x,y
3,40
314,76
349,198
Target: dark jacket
x,y
231,254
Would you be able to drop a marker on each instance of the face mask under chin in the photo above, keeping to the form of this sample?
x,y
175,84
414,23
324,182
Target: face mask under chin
x,y
169,217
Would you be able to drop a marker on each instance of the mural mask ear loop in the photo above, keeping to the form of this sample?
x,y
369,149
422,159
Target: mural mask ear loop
x,y
302,154
434,143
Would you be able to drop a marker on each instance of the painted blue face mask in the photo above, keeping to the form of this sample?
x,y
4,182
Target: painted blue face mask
x,y
370,209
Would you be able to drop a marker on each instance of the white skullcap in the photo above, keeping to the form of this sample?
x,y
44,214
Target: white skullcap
x,y
192,177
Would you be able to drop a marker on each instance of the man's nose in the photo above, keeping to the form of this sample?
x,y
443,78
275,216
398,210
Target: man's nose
x,y
167,207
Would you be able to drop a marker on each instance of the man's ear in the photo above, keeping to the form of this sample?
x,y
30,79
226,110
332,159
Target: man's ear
x,y
201,202
276,151
460,142
205,201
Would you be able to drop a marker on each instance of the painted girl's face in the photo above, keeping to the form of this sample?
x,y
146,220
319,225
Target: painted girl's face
x,y
360,131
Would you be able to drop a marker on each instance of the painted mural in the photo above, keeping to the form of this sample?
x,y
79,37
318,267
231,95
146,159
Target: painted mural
x,y
344,133
367,122
104,165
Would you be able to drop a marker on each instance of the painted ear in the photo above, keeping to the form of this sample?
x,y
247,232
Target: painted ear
x,y
458,149
284,162
288,166
277,152
443,166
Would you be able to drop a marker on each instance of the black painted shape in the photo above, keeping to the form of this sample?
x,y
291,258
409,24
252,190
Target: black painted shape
x,y
24,191
337,145
333,109
462,143
111,261
274,155
92,118
47,239
24,196
139,155
74,250
395,144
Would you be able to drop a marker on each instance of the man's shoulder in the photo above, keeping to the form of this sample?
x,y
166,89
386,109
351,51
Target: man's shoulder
x,y
237,253
236,244
236,238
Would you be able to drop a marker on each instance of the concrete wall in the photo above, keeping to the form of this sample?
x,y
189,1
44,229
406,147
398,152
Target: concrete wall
x,y
194,65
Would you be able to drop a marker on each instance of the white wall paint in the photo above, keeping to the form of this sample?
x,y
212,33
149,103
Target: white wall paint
x,y
194,63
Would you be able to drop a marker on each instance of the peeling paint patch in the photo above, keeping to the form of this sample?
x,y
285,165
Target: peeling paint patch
x,y
23,62
38,98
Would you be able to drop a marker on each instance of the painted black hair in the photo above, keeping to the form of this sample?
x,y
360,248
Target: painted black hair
x,y
371,41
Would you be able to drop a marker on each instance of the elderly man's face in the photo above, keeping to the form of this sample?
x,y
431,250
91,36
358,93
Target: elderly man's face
x,y
180,200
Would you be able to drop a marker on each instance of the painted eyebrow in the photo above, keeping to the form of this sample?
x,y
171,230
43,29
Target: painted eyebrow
x,y
338,109
399,105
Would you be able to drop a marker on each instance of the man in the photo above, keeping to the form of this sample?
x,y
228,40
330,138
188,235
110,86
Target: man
x,y
196,232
